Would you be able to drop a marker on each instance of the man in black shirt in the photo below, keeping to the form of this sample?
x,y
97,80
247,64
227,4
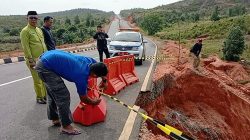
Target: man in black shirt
x,y
48,38
195,52
101,36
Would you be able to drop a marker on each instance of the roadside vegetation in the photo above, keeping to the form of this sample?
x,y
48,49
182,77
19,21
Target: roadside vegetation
x,y
72,26
188,20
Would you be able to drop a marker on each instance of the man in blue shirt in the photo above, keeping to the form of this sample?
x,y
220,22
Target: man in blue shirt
x,y
55,64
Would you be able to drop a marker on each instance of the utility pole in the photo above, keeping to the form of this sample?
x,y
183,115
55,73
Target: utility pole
x,y
179,40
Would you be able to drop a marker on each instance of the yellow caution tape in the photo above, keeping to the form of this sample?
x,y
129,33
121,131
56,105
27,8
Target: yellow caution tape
x,y
167,129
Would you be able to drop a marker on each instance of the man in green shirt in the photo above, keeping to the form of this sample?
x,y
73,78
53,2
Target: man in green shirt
x,y
33,45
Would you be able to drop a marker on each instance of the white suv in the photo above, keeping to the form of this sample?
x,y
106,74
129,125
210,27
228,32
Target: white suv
x,y
128,41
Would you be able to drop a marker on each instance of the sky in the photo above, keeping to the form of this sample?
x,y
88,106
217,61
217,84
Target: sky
x,y
20,7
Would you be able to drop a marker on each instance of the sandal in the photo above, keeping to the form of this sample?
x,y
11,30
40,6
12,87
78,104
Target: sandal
x,y
56,123
75,132
40,101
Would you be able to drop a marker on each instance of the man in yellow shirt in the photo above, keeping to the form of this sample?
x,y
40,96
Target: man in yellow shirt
x,y
33,45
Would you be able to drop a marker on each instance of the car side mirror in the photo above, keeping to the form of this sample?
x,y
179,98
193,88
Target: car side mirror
x,y
145,41
109,39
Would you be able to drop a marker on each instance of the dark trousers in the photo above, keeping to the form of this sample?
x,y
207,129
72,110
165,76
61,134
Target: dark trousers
x,y
105,50
58,95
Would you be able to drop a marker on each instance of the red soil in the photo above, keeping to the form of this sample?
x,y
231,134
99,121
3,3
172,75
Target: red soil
x,y
208,103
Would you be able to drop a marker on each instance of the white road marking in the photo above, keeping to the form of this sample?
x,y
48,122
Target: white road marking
x,y
4,84
15,81
150,70
127,129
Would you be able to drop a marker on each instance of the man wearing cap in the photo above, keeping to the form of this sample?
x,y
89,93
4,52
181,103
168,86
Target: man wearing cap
x,y
48,38
55,65
195,52
33,45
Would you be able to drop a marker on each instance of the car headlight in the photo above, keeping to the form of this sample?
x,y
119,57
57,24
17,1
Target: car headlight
x,y
111,47
136,48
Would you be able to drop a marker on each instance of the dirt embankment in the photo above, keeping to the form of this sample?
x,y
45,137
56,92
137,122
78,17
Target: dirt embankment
x,y
212,102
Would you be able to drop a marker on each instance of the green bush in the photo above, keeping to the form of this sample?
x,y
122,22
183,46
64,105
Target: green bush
x,y
14,32
234,44
214,30
6,47
10,39
215,14
152,24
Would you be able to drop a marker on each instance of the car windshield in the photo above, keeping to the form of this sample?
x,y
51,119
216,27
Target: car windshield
x,y
127,37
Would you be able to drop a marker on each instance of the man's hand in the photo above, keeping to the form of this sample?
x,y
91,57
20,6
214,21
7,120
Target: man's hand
x,y
104,84
32,63
85,99
96,101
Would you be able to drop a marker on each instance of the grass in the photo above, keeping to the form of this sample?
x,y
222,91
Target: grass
x,y
213,32
246,54
210,47
210,29
214,47
7,47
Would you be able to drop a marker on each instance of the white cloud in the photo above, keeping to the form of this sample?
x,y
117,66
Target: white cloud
x,y
20,7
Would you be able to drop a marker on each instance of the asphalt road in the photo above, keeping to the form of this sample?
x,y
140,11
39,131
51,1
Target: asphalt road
x,y
23,119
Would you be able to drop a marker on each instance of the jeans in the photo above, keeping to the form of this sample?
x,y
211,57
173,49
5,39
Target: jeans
x,y
105,50
195,59
58,95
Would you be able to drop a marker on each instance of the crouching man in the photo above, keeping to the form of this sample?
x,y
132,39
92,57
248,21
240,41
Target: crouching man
x,y
195,52
55,65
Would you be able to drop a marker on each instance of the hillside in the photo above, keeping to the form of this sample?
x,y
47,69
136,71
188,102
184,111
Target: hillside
x,y
192,19
15,21
203,7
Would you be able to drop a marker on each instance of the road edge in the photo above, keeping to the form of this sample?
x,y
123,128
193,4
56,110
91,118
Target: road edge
x,y
146,86
21,58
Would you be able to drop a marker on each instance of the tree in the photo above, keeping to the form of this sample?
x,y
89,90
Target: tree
x,y
81,34
87,23
215,14
41,23
6,29
67,21
243,10
57,22
237,10
231,12
234,45
69,37
92,24
89,17
72,28
60,32
14,32
103,20
183,17
54,21
152,24
77,19
195,17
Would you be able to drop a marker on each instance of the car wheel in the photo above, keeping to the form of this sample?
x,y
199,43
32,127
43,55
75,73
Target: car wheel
x,y
144,56
138,61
